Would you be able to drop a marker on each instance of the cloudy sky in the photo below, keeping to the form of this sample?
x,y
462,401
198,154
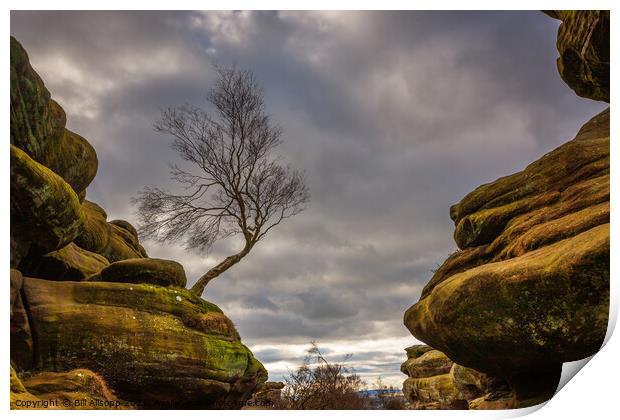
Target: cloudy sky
x,y
394,116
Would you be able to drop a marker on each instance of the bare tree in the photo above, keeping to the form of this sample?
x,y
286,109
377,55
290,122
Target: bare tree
x,y
322,385
234,185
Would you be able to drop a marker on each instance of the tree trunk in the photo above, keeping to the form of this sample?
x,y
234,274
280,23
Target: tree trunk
x,y
202,282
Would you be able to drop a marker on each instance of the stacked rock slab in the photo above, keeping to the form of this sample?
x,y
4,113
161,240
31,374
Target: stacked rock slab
x,y
436,383
91,316
529,288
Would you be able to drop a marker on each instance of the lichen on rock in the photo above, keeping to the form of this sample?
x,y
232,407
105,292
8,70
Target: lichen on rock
x,y
113,241
38,126
45,211
143,270
138,338
537,289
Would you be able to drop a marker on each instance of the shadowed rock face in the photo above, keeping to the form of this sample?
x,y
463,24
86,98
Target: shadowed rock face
x,y
157,347
68,263
583,43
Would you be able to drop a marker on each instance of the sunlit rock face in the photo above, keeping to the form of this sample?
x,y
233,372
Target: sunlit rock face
x,y
583,43
91,315
529,287
437,383
156,346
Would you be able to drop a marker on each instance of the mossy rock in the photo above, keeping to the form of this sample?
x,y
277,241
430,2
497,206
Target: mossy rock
x,y
142,339
114,241
530,288
431,363
144,270
68,263
434,392
38,126
417,350
547,306
89,390
45,211
124,224
470,383
583,44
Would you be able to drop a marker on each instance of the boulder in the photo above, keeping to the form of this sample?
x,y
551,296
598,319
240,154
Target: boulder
x,y
79,389
437,383
124,224
530,288
430,363
583,43
157,347
434,393
417,350
267,397
113,241
45,211
68,263
38,126
144,270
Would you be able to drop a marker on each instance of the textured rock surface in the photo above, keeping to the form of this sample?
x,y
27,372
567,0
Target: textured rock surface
x,y
110,240
144,270
82,385
38,126
437,383
157,347
430,363
583,43
68,263
267,397
433,384
530,289
45,211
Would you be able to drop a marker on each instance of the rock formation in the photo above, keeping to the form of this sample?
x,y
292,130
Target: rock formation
x,y
583,43
91,316
437,383
529,288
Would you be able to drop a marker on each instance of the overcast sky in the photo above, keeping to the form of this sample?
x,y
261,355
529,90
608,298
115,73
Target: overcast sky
x,y
394,116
